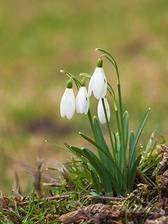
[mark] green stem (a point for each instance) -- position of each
(90, 120)
(122, 122)
(121, 112)
(110, 58)
(77, 82)
(111, 90)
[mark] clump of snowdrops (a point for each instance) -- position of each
(113, 166)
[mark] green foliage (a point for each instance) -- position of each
(113, 168)
(151, 156)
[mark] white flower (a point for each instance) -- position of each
(98, 82)
(100, 111)
(67, 105)
(82, 101)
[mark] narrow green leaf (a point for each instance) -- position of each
(114, 172)
(133, 155)
(100, 168)
(84, 154)
(131, 145)
(118, 147)
(99, 139)
(96, 180)
(79, 152)
(132, 173)
(107, 153)
(140, 128)
(111, 164)
(126, 127)
(150, 144)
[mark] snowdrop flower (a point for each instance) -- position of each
(67, 105)
(82, 101)
(98, 82)
(100, 111)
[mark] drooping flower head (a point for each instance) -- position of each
(100, 111)
(98, 81)
(82, 100)
(67, 105)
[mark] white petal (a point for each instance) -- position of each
(90, 89)
(62, 107)
(82, 101)
(99, 83)
(67, 106)
(100, 111)
(105, 87)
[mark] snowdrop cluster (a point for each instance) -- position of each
(115, 163)
(97, 86)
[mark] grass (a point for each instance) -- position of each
(70, 189)
(39, 38)
(63, 197)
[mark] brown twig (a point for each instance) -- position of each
(17, 188)
(107, 198)
(56, 197)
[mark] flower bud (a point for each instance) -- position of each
(82, 101)
(67, 105)
(101, 113)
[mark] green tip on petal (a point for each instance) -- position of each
(69, 84)
(94, 117)
(100, 63)
(83, 82)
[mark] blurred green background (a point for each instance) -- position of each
(38, 38)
